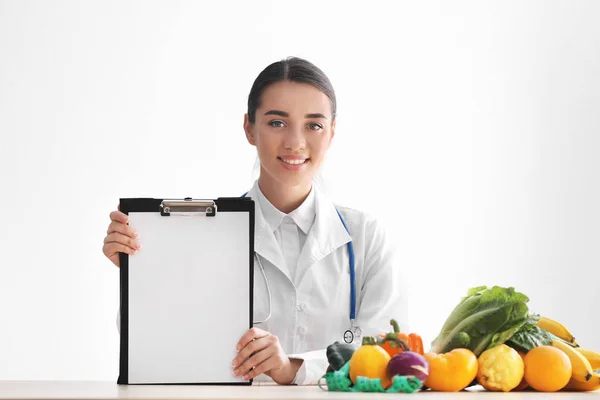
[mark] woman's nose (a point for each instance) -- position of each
(295, 139)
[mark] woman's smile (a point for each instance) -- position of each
(293, 163)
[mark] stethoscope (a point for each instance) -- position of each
(354, 333)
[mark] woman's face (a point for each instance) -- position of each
(292, 131)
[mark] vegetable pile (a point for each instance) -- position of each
(378, 362)
(490, 338)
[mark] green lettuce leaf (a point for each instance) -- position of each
(515, 326)
(489, 316)
(529, 337)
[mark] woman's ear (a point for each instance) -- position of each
(249, 129)
(332, 130)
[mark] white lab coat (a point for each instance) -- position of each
(315, 313)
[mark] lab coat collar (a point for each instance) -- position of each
(265, 244)
(272, 215)
(327, 233)
(303, 216)
(325, 236)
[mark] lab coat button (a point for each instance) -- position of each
(302, 330)
(302, 307)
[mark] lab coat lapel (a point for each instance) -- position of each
(326, 235)
(265, 243)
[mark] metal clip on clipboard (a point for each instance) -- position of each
(188, 205)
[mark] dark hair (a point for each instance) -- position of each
(290, 69)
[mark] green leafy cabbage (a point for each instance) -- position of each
(529, 337)
(489, 317)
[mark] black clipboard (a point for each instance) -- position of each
(229, 223)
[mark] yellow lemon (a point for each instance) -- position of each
(523, 385)
(501, 368)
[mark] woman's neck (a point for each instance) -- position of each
(285, 198)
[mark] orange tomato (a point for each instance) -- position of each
(452, 371)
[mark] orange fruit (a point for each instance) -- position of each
(521, 386)
(547, 368)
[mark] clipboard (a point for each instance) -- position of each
(187, 295)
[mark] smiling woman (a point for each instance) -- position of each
(308, 248)
(291, 121)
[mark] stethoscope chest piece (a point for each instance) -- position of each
(352, 334)
(348, 336)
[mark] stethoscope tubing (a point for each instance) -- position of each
(352, 277)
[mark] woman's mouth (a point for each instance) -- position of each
(294, 161)
(294, 164)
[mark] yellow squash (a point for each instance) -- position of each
(370, 361)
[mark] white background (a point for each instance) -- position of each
(470, 128)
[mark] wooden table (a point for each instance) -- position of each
(110, 390)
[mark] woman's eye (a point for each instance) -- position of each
(315, 127)
(276, 124)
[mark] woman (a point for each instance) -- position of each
(300, 239)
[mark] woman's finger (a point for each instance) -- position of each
(248, 344)
(253, 347)
(113, 248)
(123, 229)
(250, 335)
(257, 358)
(118, 216)
(261, 368)
(123, 239)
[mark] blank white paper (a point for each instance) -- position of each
(189, 297)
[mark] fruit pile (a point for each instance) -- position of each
(515, 349)
(560, 365)
(490, 339)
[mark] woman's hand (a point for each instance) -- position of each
(260, 352)
(120, 237)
